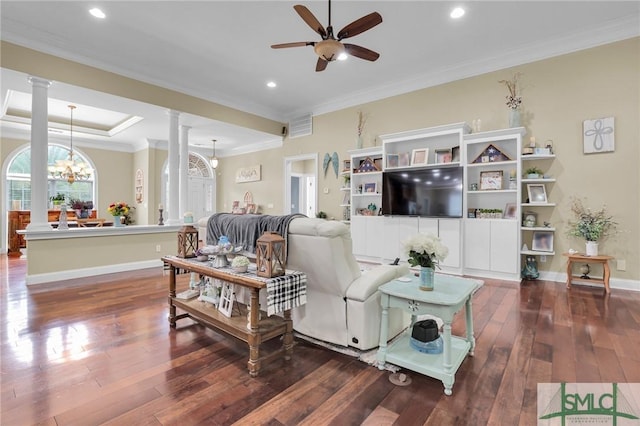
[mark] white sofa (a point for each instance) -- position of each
(343, 304)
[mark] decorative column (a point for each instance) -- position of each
(184, 169)
(39, 153)
(174, 163)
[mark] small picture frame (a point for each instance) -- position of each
(392, 161)
(346, 165)
(227, 297)
(420, 157)
(471, 213)
(537, 193)
(542, 241)
(251, 209)
(491, 180)
(443, 156)
(403, 159)
(510, 211)
(369, 188)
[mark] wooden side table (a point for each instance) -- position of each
(581, 258)
(449, 296)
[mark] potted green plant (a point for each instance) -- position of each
(533, 173)
(57, 200)
(590, 225)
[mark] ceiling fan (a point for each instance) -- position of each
(330, 48)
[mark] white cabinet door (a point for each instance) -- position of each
(374, 236)
(396, 230)
(449, 233)
(359, 235)
(504, 246)
(477, 246)
(428, 226)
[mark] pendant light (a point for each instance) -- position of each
(214, 160)
(70, 170)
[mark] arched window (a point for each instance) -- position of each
(202, 185)
(19, 179)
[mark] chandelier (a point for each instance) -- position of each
(214, 160)
(70, 170)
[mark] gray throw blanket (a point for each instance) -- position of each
(246, 229)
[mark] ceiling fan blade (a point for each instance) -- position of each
(321, 65)
(310, 19)
(296, 44)
(361, 52)
(360, 25)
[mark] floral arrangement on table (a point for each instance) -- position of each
(513, 100)
(240, 263)
(425, 250)
(119, 208)
(588, 224)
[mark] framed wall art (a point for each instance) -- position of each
(249, 174)
(598, 135)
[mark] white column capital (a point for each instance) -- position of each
(185, 128)
(39, 82)
(173, 113)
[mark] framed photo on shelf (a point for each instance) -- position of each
(369, 188)
(491, 180)
(455, 154)
(403, 159)
(542, 241)
(510, 211)
(392, 160)
(537, 193)
(420, 156)
(346, 166)
(443, 156)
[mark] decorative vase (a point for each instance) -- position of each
(592, 248)
(426, 278)
(359, 142)
(117, 221)
(514, 117)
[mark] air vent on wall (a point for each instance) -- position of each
(301, 126)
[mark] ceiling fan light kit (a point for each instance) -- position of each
(330, 48)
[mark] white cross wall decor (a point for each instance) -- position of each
(598, 135)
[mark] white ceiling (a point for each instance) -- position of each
(220, 51)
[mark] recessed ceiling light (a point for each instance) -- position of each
(271, 84)
(456, 13)
(97, 13)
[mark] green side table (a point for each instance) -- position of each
(448, 297)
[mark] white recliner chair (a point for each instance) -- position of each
(343, 303)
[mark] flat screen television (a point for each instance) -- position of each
(433, 192)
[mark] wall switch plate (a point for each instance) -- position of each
(325, 190)
(543, 259)
(621, 265)
(158, 248)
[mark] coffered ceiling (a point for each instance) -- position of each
(220, 51)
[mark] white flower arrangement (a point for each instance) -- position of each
(425, 250)
(239, 262)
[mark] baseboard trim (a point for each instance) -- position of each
(614, 283)
(90, 272)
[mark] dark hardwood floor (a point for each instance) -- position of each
(89, 352)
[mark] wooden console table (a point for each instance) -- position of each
(254, 333)
(581, 258)
(448, 297)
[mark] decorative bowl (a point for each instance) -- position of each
(240, 269)
(202, 257)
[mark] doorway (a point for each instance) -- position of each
(301, 174)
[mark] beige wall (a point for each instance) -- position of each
(559, 93)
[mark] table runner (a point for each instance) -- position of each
(286, 292)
